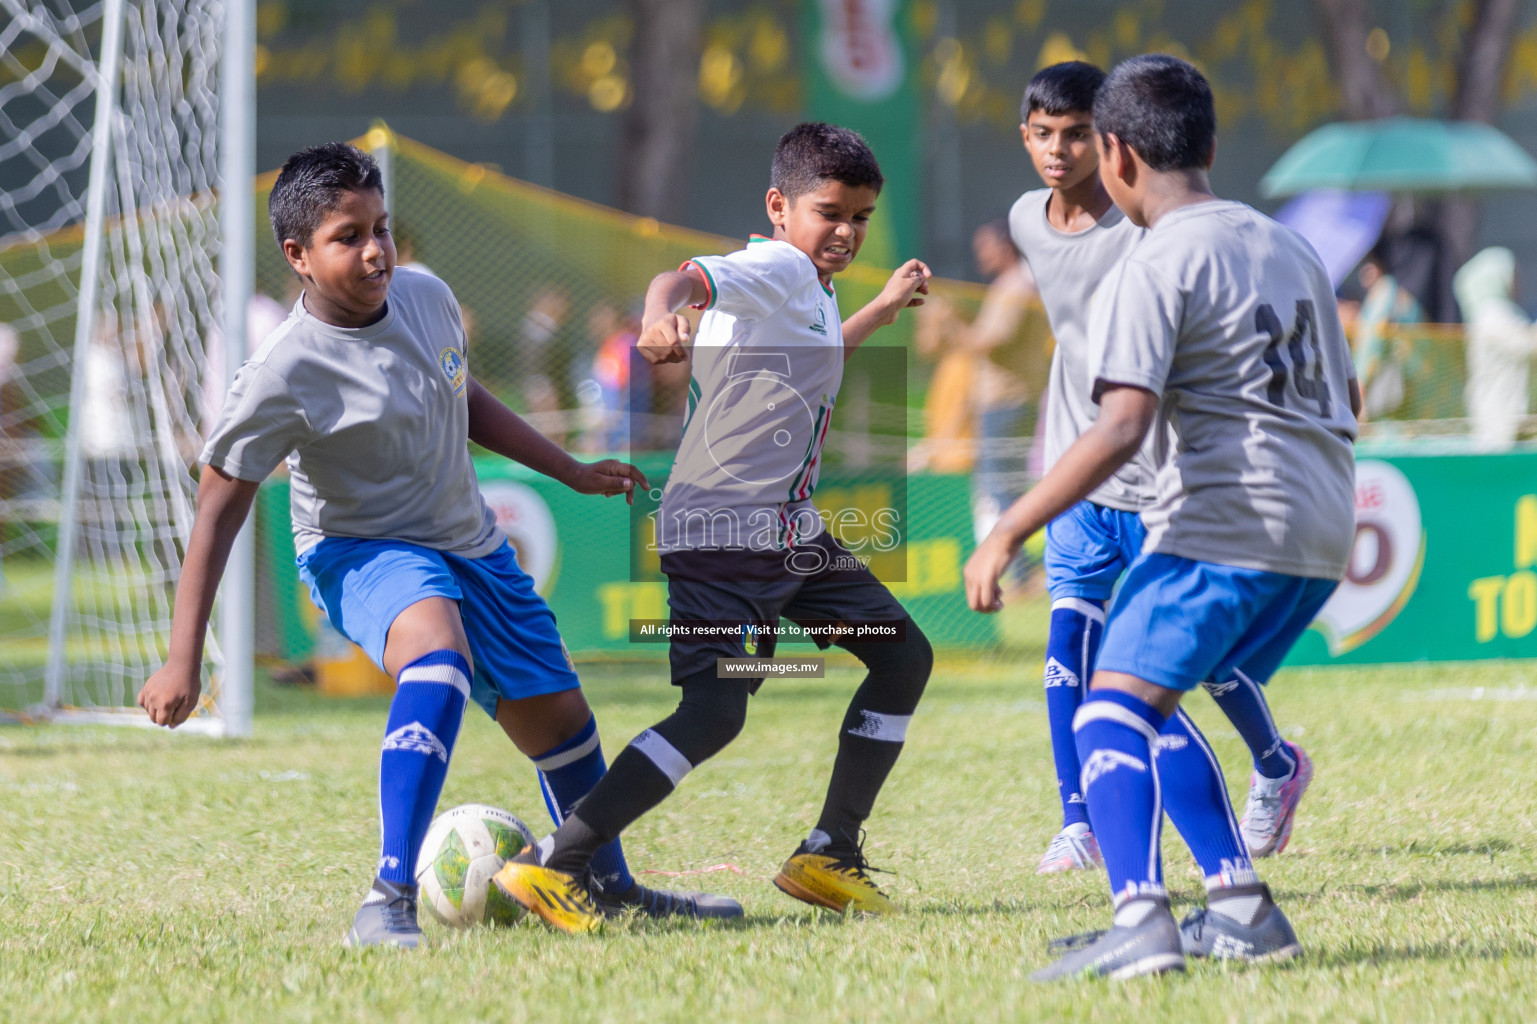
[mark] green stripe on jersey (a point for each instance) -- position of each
(710, 280)
(800, 474)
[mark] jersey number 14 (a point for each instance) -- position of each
(1302, 346)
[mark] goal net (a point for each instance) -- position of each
(109, 306)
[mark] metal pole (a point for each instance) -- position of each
(85, 326)
(237, 272)
(381, 146)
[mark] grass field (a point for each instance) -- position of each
(153, 877)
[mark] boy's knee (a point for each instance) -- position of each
(901, 668)
(912, 659)
(710, 715)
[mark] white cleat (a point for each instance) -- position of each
(1272, 806)
(1072, 849)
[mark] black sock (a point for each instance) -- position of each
(708, 717)
(575, 843)
(872, 735)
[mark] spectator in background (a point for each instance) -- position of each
(541, 357)
(1007, 366)
(1500, 347)
(1382, 360)
(609, 392)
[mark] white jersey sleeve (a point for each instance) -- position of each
(752, 283)
(262, 421)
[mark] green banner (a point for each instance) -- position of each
(860, 70)
(1443, 565)
(584, 554)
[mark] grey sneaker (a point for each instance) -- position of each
(662, 903)
(1208, 933)
(1151, 947)
(386, 918)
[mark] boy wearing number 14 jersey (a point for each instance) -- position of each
(1073, 236)
(1219, 331)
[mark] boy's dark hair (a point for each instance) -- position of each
(812, 153)
(1062, 89)
(311, 184)
(1161, 107)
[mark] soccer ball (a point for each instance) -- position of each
(463, 849)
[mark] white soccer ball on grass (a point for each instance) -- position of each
(464, 848)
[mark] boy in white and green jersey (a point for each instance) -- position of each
(741, 542)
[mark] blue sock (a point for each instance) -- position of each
(566, 774)
(418, 741)
(1242, 700)
(1115, 733)
(1071, 647)
(1195, 797)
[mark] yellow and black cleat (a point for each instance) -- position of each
(837, 883)
(557, 898)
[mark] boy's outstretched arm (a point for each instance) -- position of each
(908, 282)
(1124, 416)
(663, 332)
(223, 501)
(497, 428)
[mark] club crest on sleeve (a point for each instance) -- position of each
(819, 325)
(416, 738)
(452, 363)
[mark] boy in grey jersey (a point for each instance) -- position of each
(365, 391)
(1074, 235)
(1220, 326)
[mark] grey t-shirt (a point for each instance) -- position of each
(1067, 268)
(374, 424)
(1230, 318)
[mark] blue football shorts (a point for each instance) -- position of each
(362, 585)
(1088, 547)
(1178, 623)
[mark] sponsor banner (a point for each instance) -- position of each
(1444, 566)
(601, 576)
(863, 74)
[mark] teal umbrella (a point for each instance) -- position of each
(1402, 154)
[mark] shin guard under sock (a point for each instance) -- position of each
(418, 741)
(1196, 800)
(873, 732)
(1077, 624)
(1115, 733)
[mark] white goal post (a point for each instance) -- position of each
(124, 285)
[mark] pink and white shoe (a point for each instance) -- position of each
(1072, 849)
(1272, 806)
